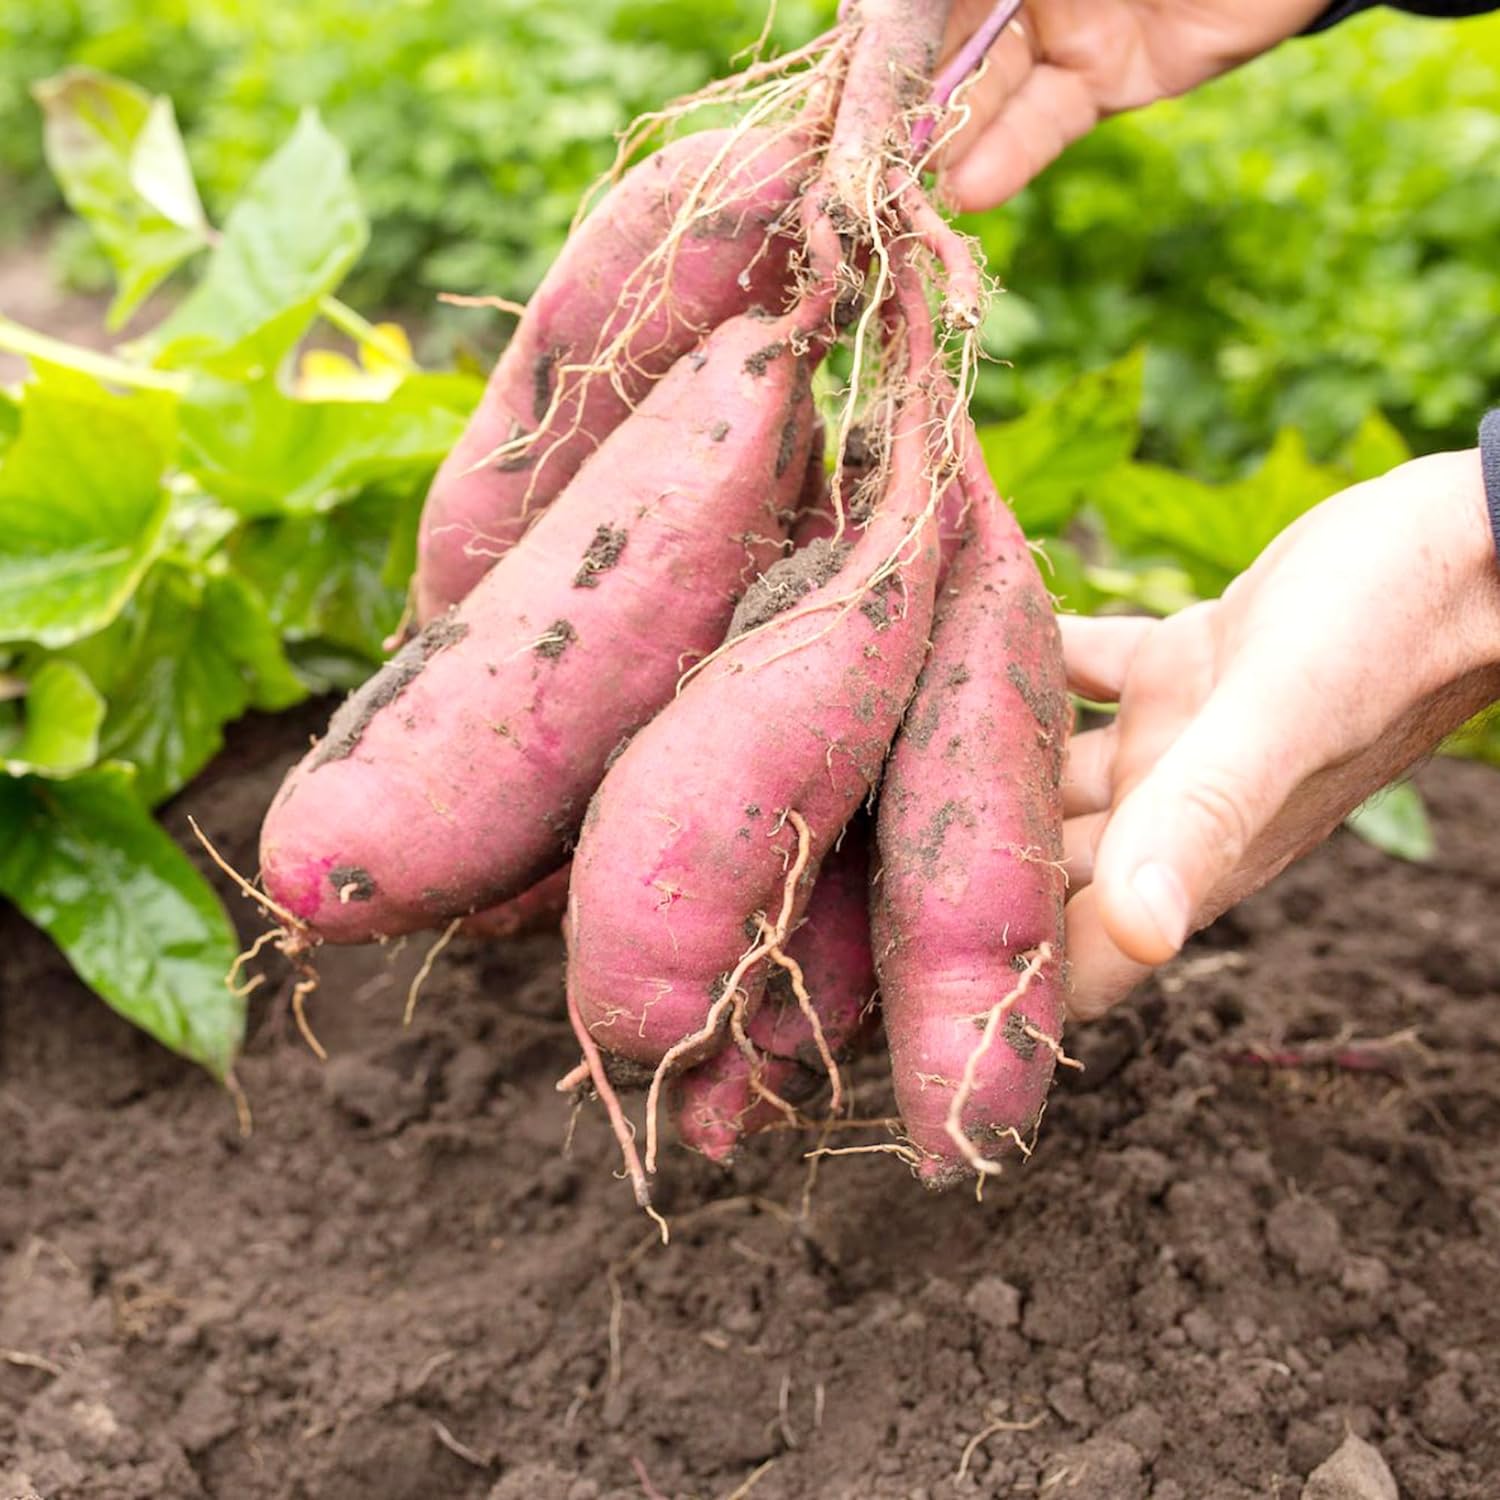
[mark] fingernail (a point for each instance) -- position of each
(1160, 891)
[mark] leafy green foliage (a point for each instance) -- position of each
(1304, 241)
(82, 507)
(1048, 460)
(1298, 244)
(55, 731)
(187, 532)
(118, 158)
(84, 860)
(1395, 821)
(289, 241)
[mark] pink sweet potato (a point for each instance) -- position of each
(456, 777)
(968, 895)
(718, 1104)
(538, 907)
(688, 843)
(729, 261)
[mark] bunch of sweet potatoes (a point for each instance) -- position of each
(784, 685)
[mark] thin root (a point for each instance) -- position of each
(810, 1014)
(721, 1007)
(954, 1125)
(624, 1133)
(985, 1433)
(420, 978)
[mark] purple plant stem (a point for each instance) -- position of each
(960, 66)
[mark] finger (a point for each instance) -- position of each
(1088, 776)
(1080, 842)
(1051, 109)
(1099, 975)
(1006, 66)
(1097, 652)
(1187, 824)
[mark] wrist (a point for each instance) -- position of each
(1450, 487)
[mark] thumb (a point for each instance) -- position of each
(1189, 821)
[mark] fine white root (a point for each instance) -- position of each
(981, 1164)
(721, 1008)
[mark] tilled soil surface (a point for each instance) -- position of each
(403, 1284)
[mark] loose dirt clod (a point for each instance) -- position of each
(787, 581)
(1356, 1471)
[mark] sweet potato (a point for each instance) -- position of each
(537, 907)
(729, 260)
(968, 894)
(687, 847)
(725, 1099)
(455, 778)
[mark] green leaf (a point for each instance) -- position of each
(59, 732)
(10, 420)
(1479, 739)
(1395, 821)
(117, 154)
(338, 579)
(1049, 461)
(189, 655)
(142, 928)
(288, 242)
(1375, 449)
(1214, 532)
(82, 507)
(266, 453)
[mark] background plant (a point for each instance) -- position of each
(1298, 244)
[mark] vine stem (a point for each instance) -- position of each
(364, 333)
(960, 66)
(15, 338)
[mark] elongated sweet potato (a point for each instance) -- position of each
(968, 894)
(537, 907)
(729, 260)
(455, 778)
(718, 1102)
(688, 844)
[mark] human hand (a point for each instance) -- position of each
(1062, 65)
(1251, 725)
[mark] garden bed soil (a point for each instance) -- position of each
(403, 1285)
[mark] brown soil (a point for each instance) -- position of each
(401, 1285)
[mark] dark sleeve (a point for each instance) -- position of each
(1346, 8)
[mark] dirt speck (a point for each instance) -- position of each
(1015, 1036)
(558, 636)
(759, 362)
(352, 883)
(719, 431)
(602, 554)
(541, 382)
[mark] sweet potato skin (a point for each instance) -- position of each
(456, 777)
(688, 840)
(730, 263)
(969, 888)
(536, 909)
(716, 1106)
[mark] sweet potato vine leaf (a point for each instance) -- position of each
(119, 159)
(288, 242)
(82, 506)
(141, 927)
(52, 727)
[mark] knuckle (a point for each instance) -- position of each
(1221, 802)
